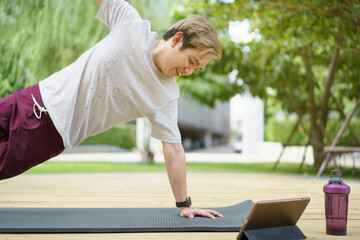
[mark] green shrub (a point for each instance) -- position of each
(347, 138)
(123, 136)
(279, 131)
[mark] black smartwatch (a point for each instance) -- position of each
(186, 203)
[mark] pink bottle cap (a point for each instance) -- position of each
(336, 184)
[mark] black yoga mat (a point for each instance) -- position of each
(116, 220)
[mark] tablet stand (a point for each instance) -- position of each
(271, 233)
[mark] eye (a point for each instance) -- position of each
(191, 62)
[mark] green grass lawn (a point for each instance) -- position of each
(92, 167)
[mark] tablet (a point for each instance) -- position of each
(274, 213)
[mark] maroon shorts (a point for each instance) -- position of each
(25, 140)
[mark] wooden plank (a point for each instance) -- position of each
(337, 138)
(153, 190)
(332, 149)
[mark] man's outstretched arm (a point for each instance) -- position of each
(176, 169)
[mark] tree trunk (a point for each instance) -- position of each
(316, 141)
(316, 132)
(147, 157)
(319, 111)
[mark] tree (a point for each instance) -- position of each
(41, 37)
(308, 57)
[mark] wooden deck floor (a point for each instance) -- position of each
(153, 190)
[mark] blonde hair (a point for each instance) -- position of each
(198, 33)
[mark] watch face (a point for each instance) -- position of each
(189, 199)
(186, 203)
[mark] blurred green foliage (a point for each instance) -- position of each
(291, 58)
(306, 57)
(40, 37)
(122, 136)
(278, 131)
(347, 138)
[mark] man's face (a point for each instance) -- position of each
(181, 62)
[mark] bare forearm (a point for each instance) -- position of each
(176, 169)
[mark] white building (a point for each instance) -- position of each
(200, 126)
(247, 119)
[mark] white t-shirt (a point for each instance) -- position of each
(113, 82)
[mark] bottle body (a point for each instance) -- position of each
(336, 211)
(336, 204)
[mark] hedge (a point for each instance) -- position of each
(123, 136)
(279, 131)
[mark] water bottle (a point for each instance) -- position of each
(336, 204)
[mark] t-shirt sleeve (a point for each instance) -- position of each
(164, 123)
(116, 12)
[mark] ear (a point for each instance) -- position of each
(177, 38)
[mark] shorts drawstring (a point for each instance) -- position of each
(40, 108)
